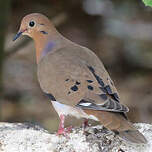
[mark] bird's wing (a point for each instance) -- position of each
(105, 99)
(76, 76)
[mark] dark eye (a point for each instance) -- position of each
(32, 23)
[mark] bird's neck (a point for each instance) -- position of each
(48, 43)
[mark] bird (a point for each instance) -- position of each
(75, 80)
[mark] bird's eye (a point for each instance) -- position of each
(31, 23)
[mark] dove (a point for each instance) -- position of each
(75, 80)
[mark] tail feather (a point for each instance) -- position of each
(133, 136)
(119, 124)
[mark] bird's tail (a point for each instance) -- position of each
(119, 124)
(133, 136)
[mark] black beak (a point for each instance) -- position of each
(17, 36)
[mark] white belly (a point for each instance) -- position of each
(72, 111)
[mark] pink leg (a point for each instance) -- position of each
(85, 123)
(62, 130)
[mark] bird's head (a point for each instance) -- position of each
(34, 25)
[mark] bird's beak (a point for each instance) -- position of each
(18, 34)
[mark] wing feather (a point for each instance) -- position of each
(79, 79)
(109, 105)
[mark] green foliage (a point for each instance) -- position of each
(147, 2)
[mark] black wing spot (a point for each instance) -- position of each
(69, 92)
(74, 88)
(67, 80)
(108, 89)
(90, 87)
(103, 89)
(51, 96)
(77, 83)
(96, 76)
(103, 96)
(91, 69)
(89, 81)
(99, 80)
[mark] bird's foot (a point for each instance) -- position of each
(64, 131)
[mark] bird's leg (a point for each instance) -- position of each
(62, 130)
(85, 123)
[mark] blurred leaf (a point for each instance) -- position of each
(148, 2)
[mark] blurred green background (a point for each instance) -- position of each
(119, 32)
